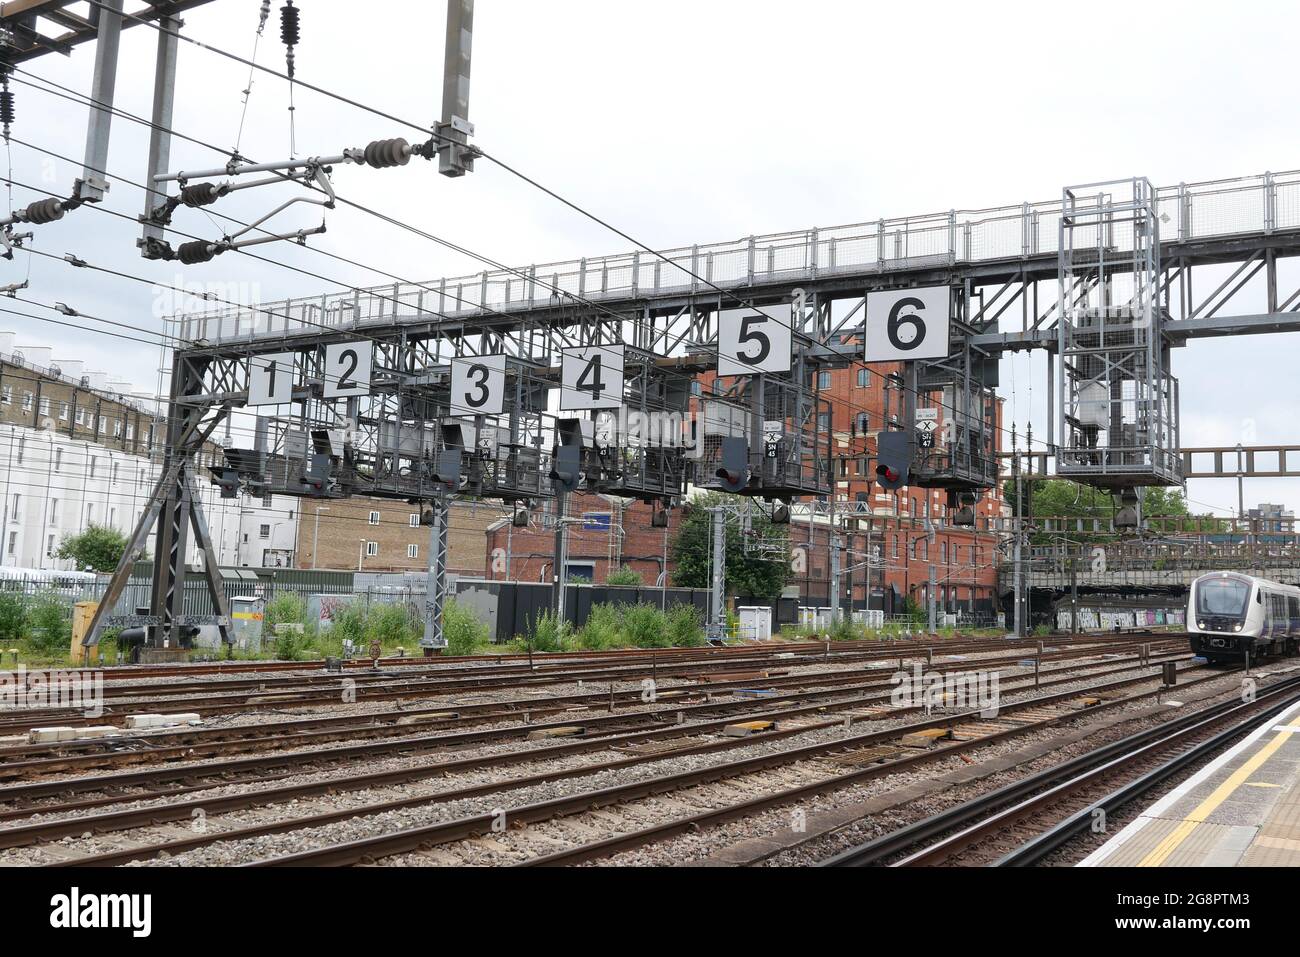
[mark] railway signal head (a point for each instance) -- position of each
(227, 480)
(566, 467)
(316, 475)
(893, 459)
(733, 471)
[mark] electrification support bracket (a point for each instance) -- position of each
(93, 186)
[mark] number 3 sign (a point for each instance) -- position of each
(478, 385)
(907, 324)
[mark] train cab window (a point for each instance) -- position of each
(1223, 596)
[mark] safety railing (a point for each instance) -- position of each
(1188, 211)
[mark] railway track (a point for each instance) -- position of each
(1020, 718)
(102, 819)
(196, 743)
(242, 695)
(1025, 821)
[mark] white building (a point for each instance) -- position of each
(55, 484)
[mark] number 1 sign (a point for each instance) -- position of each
(907, 324)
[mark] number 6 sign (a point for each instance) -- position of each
(907, 324)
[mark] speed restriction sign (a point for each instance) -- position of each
(907, 324)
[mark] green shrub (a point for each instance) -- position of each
(623, 576)
(348, 622)
(290, 646)
(49, 626)
(646, 626)
(286, 608)
(464, 632)
(390, 625)
(549, 633)
(13, 618)
(685, 630)
(602, 629)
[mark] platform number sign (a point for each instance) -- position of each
(754, 340)
(347, 368)
(907, 324)
(478, 385)
(591, 377)
(270, 379)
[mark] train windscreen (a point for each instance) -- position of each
(1222, 597)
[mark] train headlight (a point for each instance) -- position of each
(1201, 625)
(1236, 627)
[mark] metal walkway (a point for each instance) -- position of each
(1247, 209)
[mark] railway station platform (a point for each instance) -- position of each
(1240, 810)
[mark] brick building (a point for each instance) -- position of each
(888, 527)
(385, 535)
(613, 532)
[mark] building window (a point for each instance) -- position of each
(844, 468)
(16, 511)
(64, 409)
(81, 417)
(862, 423)
(130, 430)
(864, 378)
(112, 518)
(264, 531)
(412, 551)
(415, 519)
(93, 462)
(113, 473)
(90, 513)
(7, 395)
(54, 511)
(27, 401)
(823, 380)
(22, 447)
(103, 425)
(823, 421)
(49, 547)
(372, 549)
(266, 500)
(374, 518)
(58, 459)
(45, 406)
(13, 542)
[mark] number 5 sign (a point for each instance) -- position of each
(907, 324)
(754, 340)
(478, 385)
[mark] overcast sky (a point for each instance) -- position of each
(692, 122)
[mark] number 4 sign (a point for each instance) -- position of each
(907, 324)
(591, 377)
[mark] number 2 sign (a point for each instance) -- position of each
(347, 368)
(907, 324)
(591, 377)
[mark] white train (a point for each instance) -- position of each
(1231, 615)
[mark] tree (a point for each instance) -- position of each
(692, 549)
(623, 576)
(1061, 498)
(99, 548)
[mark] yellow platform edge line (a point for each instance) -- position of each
(1161, 852)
